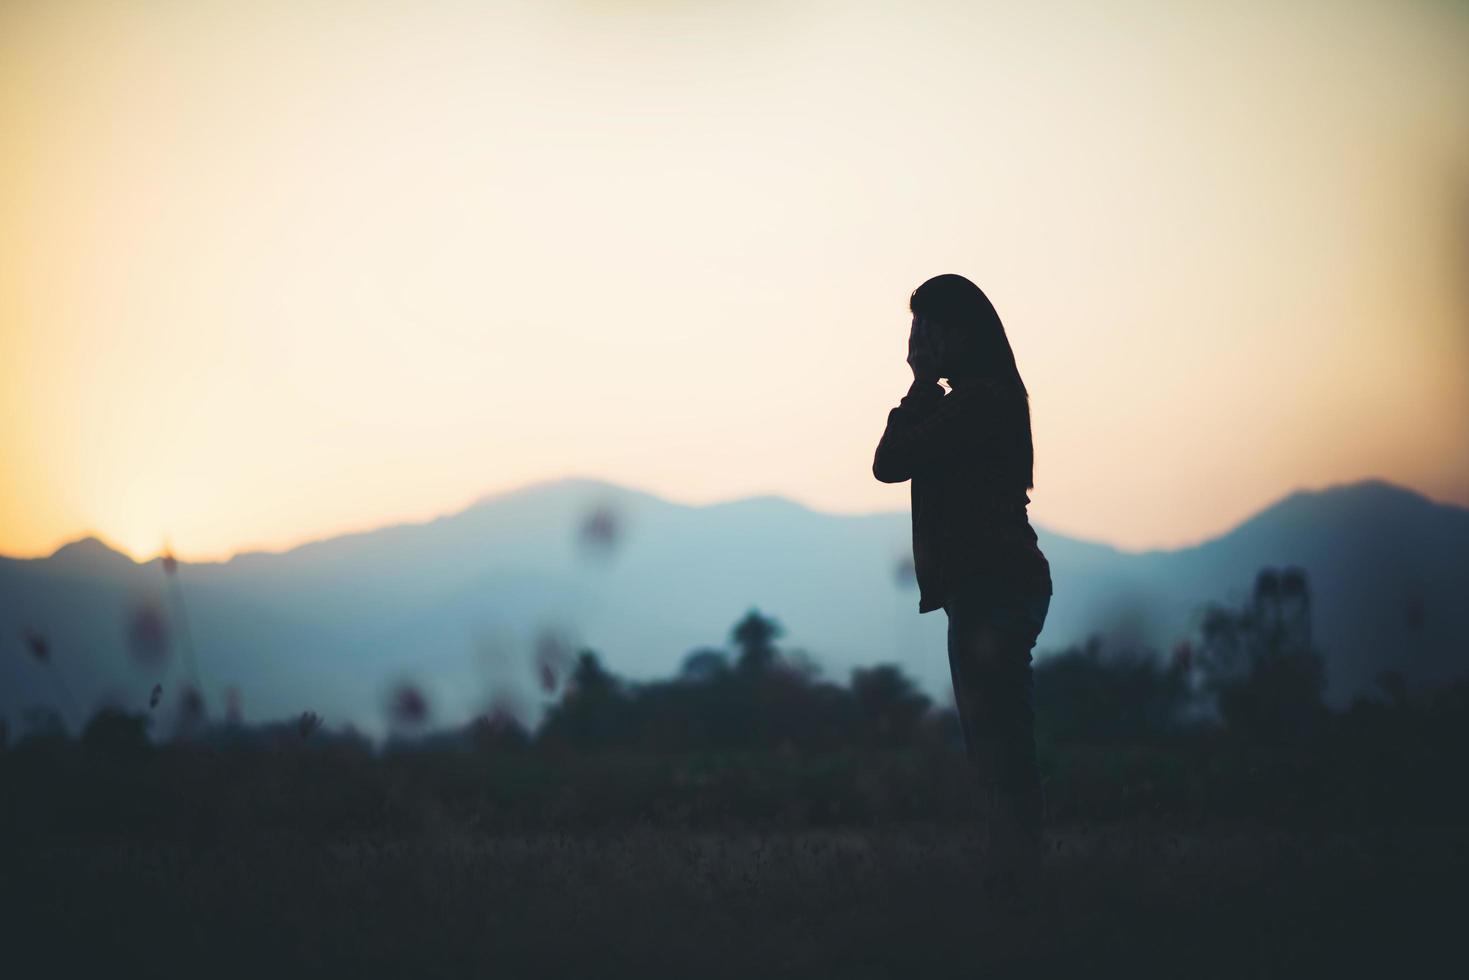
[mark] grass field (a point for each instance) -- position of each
(1130, 899)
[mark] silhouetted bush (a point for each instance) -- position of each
(889, 708)
(1088, 695)
(1121, 734)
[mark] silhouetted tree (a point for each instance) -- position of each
(594, 709)
(754, 637)
(889, 708)
(1258, 661)
(1084, 694)
(497, 731)
(703, 665)
(589, 679)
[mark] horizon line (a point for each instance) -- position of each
(544, 482)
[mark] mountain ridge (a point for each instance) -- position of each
(327, 624)
(90, 539)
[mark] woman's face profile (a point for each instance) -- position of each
(942, 339)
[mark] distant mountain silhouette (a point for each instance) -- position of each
(456, 603)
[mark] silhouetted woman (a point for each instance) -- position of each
(969, 456)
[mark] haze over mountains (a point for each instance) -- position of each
(456, 604)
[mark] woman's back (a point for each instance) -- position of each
(969, 505)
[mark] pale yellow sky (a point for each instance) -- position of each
(272, 271)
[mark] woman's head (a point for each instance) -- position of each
(974, 341)
(974, 345)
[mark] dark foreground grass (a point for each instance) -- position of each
(1130, 899)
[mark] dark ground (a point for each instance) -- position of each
(754, 827)
(1134, 898)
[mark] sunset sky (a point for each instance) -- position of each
(273, 271)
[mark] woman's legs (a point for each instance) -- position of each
(989, 641)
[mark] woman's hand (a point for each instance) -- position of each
(924, 350)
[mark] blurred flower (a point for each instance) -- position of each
(553, 657)
(600, 531)
(904, 573)
(505, 710)
(37, 644)
(191, 708)
(148, 634)
(40, 648)
(408, 706)
(499, 727)
(503, 723)
(234, 709)
(1267, 584)
(307, 724)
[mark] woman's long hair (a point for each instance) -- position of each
(984, 351)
